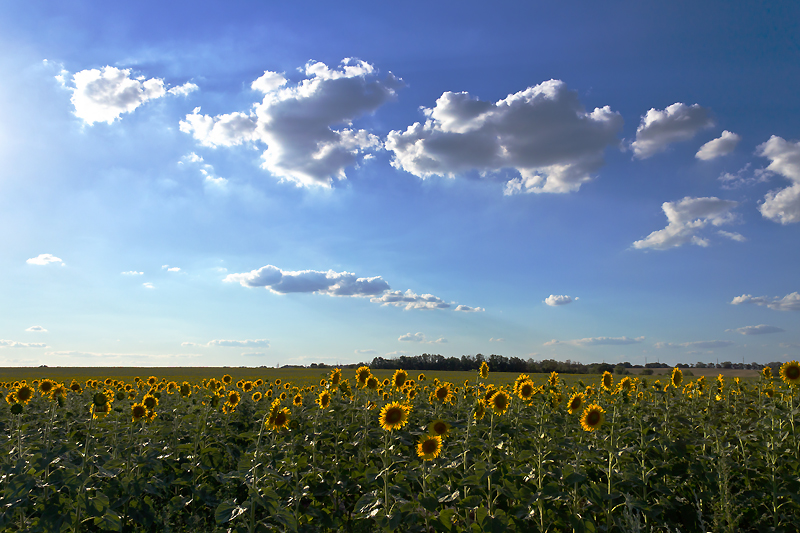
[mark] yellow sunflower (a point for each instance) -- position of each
(324, 399)
(421, 377)
(152, 380)
(484, 370)
(677, 377)
(592, 417)
(480, 411)
(399, 378)
(790, 373)
(393, 416)
(443, 393)
(499, 402)
(608, 381)
(138, 411)
(24, 393)
(552, 380)
(278, 419)
(575, 402)
(257, 396)
(46, 386)
(766, 372)
(149, 401)
(439, 428)
(336, 376)
(297, 400)
(526, 390)
(363, 373)
(429, 447)
(227, 378)
(233, 398)
(186, 389)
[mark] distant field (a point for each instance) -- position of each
(307, 375)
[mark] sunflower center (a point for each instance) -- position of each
(793, 372)
(429, 446)
(393, 416)
(440, 428)
(593, 419)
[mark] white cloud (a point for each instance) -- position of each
(15, 344)
(148, 285)
(412, 337)
(44, 259)
(543, 133)
(723, 145)
(103, 95)
(170, 269)
(467, 309)
(411, 300)
(230, 343)
(254, 354)
(365, 352)
(658, 129)
(559, 299)
(339, 284)
(499, 339)
(686, 218)
(206, 170)
(111, 356)
(132, 273)
(742, 178)
(757, 330)
(37, 328)
(782, 205)
(596, 341)
(790, 302)
(299, 123)
(702, 345)
(732, 235)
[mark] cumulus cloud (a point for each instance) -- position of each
(722, 145)
(15, 344)
(761, 329)
(790, 302)
(543, 133)
(44, 259)
(132, 273)
(339, 284)
(105, 94)
(170, 269)
(148, 285)
(743, 177)
(467, 309)
(686, 219)
(732, 235)
(37, 328)
(307, 127)
(596, 341)
(555, 300)
(660, 128)
(782, 205)
(702, 345)
(420, 337)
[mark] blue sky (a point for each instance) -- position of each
(251, 184)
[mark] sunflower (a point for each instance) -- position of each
(575, 402)
(412, 392)
(484, 370)
(552, 380)
(46, 387)
(149, 401)
(443, 393)
(626, 385)
(336, 376)
(766, 372)
(259, 382)
(233, 399)
(421, 377)
(499, 402)
(393, 416)
(297, 400)
(99, 411)
(226, 379)
(429, 447)
(526, 390)
(247, 386)
(608, 381)
(324, 399)
(592, 417)
(269, 393)
(439, 428)
(24, 393)
(186, 389)
(257, 396)
(282, 396)
(138, 411)
(152, 380)
(278, 419)
(790, 373)
(488, 393)
(677, 377)
(75, 387)
(399, 378)
(363, 373)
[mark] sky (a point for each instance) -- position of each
(263, 184)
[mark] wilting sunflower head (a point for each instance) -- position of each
(607, 381)
(439, 428)
(429, 447)
(484, 370)
(592, 417)
(499, 402)
(393, 416)
(677, 377)
(399, 378)
(790, 373)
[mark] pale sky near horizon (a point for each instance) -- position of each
(246, 184)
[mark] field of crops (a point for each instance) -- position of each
(399, 452)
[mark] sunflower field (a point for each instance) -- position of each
(406, 453)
